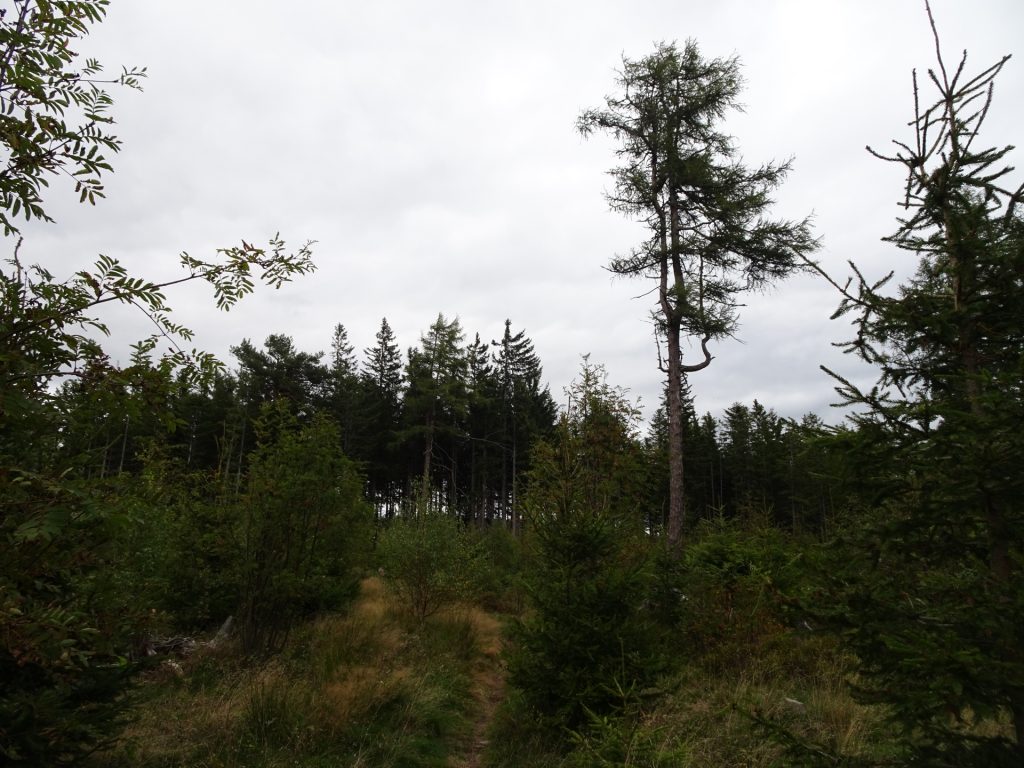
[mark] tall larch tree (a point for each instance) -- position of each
(710, 238)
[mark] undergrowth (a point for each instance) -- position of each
(708, 717)
(742, 672)
(371, 688)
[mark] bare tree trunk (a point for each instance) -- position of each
(428, 454)
(670, 312)
(676, 502)
(670, 285)
(124, 445)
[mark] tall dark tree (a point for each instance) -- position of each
(483, 424)
(382, 385)
(382, 365)
(206, 414)
(527, 410)
(280, 371)
(343, 388)
(754, 460)
(932, 601)
(769, 449)
(709, 236)
(818, 474)
(436, 403)
(737, 458)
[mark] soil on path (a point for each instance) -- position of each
(488, 690)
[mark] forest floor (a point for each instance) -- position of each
(368, 687)
(488, 689)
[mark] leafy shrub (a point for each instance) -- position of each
(430, 561)
(304, 521)
(63, 680)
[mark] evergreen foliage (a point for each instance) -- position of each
(382, 387)
(526, 412)
(930, 598)
(484, 454)
(586, 645)
(169, 493)
(435, 406)
(343, 391)
(710, 239)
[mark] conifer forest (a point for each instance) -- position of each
(376, 554)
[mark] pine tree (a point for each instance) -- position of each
(280, 371)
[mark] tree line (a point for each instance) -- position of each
(452, 426)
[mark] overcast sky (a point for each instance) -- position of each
(430, 150)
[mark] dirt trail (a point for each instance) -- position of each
(488, 690)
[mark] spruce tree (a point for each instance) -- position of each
(382, 387)
(586, 648)
(483, 424)
(527, 411)
(933, 598)
(343, 389)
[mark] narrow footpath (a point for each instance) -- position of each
(488, 691)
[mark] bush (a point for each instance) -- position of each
(430, 561)
(304, 523)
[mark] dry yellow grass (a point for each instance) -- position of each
(373, 599)
(367, 686)
(356, 694)
(486, 627)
